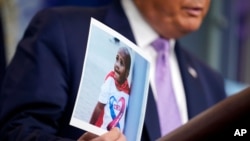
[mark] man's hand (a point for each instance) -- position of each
(113, 135)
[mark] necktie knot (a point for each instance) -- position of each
(160, 45)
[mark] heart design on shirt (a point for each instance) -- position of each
(116, 105)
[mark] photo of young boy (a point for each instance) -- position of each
(113, 86)
(113, 99)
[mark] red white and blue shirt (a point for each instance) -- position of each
(115, 96)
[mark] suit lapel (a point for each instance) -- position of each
(151, 118)
(117, 20)
(195, 94)
(193, 89)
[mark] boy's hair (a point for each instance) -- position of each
(127, 57)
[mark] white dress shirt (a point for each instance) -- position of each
(144, 36)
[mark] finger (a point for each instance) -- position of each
(122, 138)
(113, 135)
(87, 136)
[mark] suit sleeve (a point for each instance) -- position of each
(34, 92)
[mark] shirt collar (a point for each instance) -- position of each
(143, 32)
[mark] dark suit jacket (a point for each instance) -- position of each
(42, 80)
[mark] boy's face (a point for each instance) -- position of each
(121, 72)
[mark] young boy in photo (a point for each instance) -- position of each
(113, 99)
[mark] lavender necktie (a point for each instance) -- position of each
(166, 102)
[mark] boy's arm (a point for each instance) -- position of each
(97, 111)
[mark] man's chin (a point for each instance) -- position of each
(193, 25)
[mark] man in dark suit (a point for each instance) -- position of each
(41, 83)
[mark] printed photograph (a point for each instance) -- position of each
(114, 84)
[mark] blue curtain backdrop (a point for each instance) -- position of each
(235, 43)
(25, 13)
(2, 52)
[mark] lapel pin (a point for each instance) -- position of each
(192, 72)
